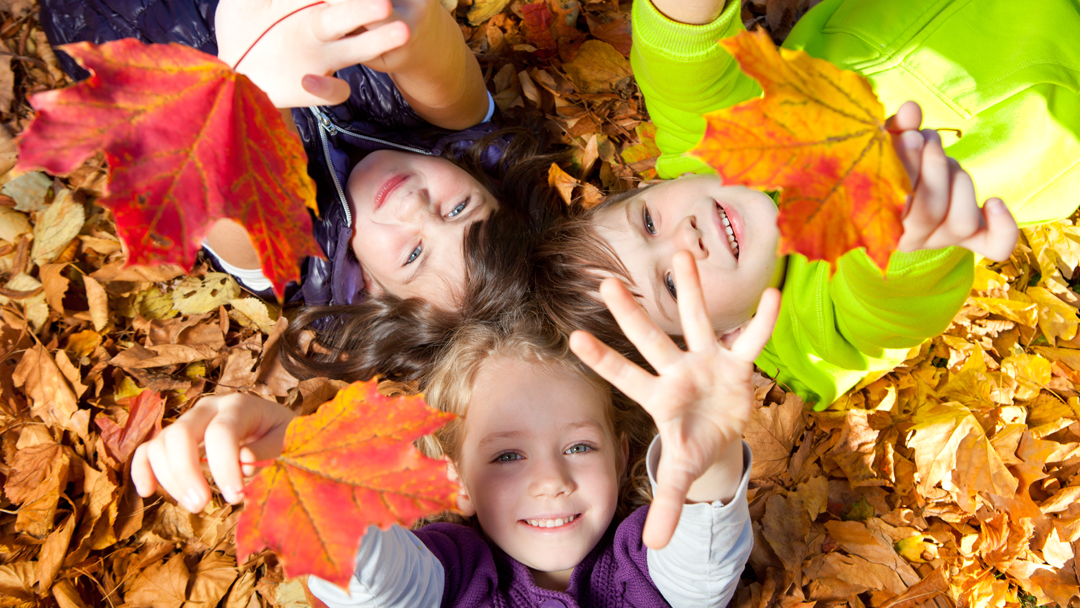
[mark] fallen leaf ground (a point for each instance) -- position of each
(951, 480)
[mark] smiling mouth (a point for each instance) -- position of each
(732, 241)
(551, 523)
(388, 188)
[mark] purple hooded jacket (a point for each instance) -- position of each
(615, 574)
(375, 117)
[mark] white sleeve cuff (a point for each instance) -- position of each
(252, 278)
(491, 108)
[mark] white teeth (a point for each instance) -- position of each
(550, 523)
(730, 232)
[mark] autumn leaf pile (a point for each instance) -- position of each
(949, 481)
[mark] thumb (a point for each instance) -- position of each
(672, 485)
(330, 90)
(999, 239)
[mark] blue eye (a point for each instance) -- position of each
(456, 211)
(650, 227)
(415, 254)
(580, 448)
(670, 284)
(508, 457)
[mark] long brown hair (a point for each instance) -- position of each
(399, 338)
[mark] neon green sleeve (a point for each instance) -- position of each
(683, 74)
(831, 334)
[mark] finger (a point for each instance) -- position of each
(650, 340)
(930, 204)
(999, 239)
(141, 473)
(635, 382)
(331, 91)
(343, 17)
(222, 444)
(187, 483)
(909, 146)
(965, 218)
(908, 116)
(696, 325)
(368, 45)
(667, 504)
(753, 339)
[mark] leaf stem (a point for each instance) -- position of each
(958, 132)
(306, 6)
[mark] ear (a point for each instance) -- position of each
(465, 505)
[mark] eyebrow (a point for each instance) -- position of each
(634, 229)
(573, 426)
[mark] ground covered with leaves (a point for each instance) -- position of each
(951, 480)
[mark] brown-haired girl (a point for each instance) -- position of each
(545, 457)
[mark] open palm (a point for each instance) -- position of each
(702, 398)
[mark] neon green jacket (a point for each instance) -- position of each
(993, 68)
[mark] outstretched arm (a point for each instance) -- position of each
(701, 401)
(416, 41)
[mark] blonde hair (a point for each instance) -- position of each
(526, 336)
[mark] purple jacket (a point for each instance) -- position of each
(614, 575)
(375, 117)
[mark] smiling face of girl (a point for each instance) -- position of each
(730, 230)
(410, 214)
(540, 464)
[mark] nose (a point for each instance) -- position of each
(687, 236)
(411, 207)
(551, 477)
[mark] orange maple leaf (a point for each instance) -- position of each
(350, 465)
(188, 141)
(818, 134)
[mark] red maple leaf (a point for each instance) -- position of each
(818, 134)
(350, 465)
(551, 26)
(188, 141)
(144, 416)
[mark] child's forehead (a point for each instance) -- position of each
(509, 388)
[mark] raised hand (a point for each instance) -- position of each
(943, 210)
(294, 60)
(233, 429)
(701, 401)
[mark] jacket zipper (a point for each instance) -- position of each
(327, 127)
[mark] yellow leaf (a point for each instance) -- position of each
(1018, 308)
(1056, 318)
(1031, 372)
(55, 228)
(562, 182)
(194, 296)
(951, 450)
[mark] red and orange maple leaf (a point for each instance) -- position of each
(819, 134)
(346, 467)
(188, 141)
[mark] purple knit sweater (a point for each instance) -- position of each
(614, 575)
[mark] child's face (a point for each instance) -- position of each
(410, 213)
(540, 464)
(688, 213)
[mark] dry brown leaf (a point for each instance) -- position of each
(28, 190)
(99, 303)
(598, 68)
(60, 223)
(51, 558)
(52, 397)
(162, 585)
(211, 580)
(771, 435)
(194, 296)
